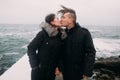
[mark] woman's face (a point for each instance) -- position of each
(56, 22)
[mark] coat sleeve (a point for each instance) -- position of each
(89, 55)
(32, 48)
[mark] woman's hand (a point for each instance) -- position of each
(85, 77)
(57, 71)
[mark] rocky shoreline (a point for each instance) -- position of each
(107, 69)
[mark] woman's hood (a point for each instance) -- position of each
(51, 31)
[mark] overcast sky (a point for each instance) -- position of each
(89, 12)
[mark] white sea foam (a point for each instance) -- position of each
(107, 47)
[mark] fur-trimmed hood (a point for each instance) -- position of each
(52, 31)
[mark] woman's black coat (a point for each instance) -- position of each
(44, 51)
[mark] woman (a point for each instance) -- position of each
(44, 49)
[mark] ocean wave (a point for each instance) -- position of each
(95, 30)
(25, 46)
(20, 34)
(12, 53)
(1, 56)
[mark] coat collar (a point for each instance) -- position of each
(70, 31)
(51, 31)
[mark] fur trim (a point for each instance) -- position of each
(52, 31)
(63, 33)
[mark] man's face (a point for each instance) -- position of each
(66, 20)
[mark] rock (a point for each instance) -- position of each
(112, 64)
(107, 69)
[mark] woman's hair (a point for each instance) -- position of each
(49, 18)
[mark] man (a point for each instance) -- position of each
(79, 56)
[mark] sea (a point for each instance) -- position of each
(14, 39)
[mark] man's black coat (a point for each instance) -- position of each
(79, 54)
